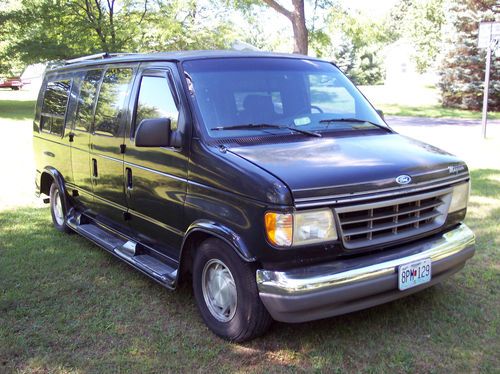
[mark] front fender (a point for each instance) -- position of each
(222, 232)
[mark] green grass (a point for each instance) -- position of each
(16, 110)
(67, 306)
(432, 111)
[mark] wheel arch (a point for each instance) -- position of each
(49, 175)
(204, 229)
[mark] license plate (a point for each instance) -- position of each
(414, 274)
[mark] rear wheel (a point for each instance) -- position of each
(58, 208)
(226, 293)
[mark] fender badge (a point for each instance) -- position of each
(403, 179)
(454, 169)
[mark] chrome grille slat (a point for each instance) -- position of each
(385, 221)
(397, 213)
(386, 226)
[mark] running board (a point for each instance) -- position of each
(148, 264)
(125, 250)
(100, 236)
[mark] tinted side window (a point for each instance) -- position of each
(156, 101)
(110, 102)
(88, 93)
(54, 106)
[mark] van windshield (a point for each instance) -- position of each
(247, 96)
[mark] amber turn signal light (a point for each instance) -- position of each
(279, 228)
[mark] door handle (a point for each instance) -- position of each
(129, 178)
(94, 168)
(71, 136)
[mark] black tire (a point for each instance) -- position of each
(58, 220)
(250, 318)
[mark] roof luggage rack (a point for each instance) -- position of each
(96, 56)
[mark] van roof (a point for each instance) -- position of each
(175, 57)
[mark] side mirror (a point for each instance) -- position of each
(154, 132)
(381, 113)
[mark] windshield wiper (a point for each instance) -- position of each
(356, 120)
(258, 126)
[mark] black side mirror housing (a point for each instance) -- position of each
(153, 132)
(380, 113)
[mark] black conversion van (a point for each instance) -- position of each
(267, 179)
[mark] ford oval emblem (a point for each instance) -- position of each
(403, 179)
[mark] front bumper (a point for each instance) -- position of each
(344, 286)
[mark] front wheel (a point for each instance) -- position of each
(226, 293)
(58, 208)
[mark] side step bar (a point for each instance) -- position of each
(148, 264)
(125, 250)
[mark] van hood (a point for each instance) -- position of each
(334, 166)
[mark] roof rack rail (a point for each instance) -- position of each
(95, 57)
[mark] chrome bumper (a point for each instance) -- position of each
(347, 285)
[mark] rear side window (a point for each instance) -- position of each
(156, 101)
(54, 106)
(88, 93)
(110, 102)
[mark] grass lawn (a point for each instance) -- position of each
(433, 111)
(416, 101)
(16, 105)
(66, 306)
(16, 110)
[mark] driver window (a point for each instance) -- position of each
(156, 101)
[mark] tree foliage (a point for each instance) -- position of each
(463, 64)
(44, 30)
(419, 22)
(354, 42)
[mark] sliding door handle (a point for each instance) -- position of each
(95, 173)
(129, 178)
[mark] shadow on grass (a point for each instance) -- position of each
(67, 304)
(17, 110)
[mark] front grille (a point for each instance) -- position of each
(386, 221)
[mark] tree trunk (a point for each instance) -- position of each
(300, 33)
(111, 14)
(298, 19)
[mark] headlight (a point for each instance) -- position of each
(309, 227)
(459, 197)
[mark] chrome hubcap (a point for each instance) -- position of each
(58, 209)
(219, 290)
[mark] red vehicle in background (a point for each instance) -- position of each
(14, 83)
